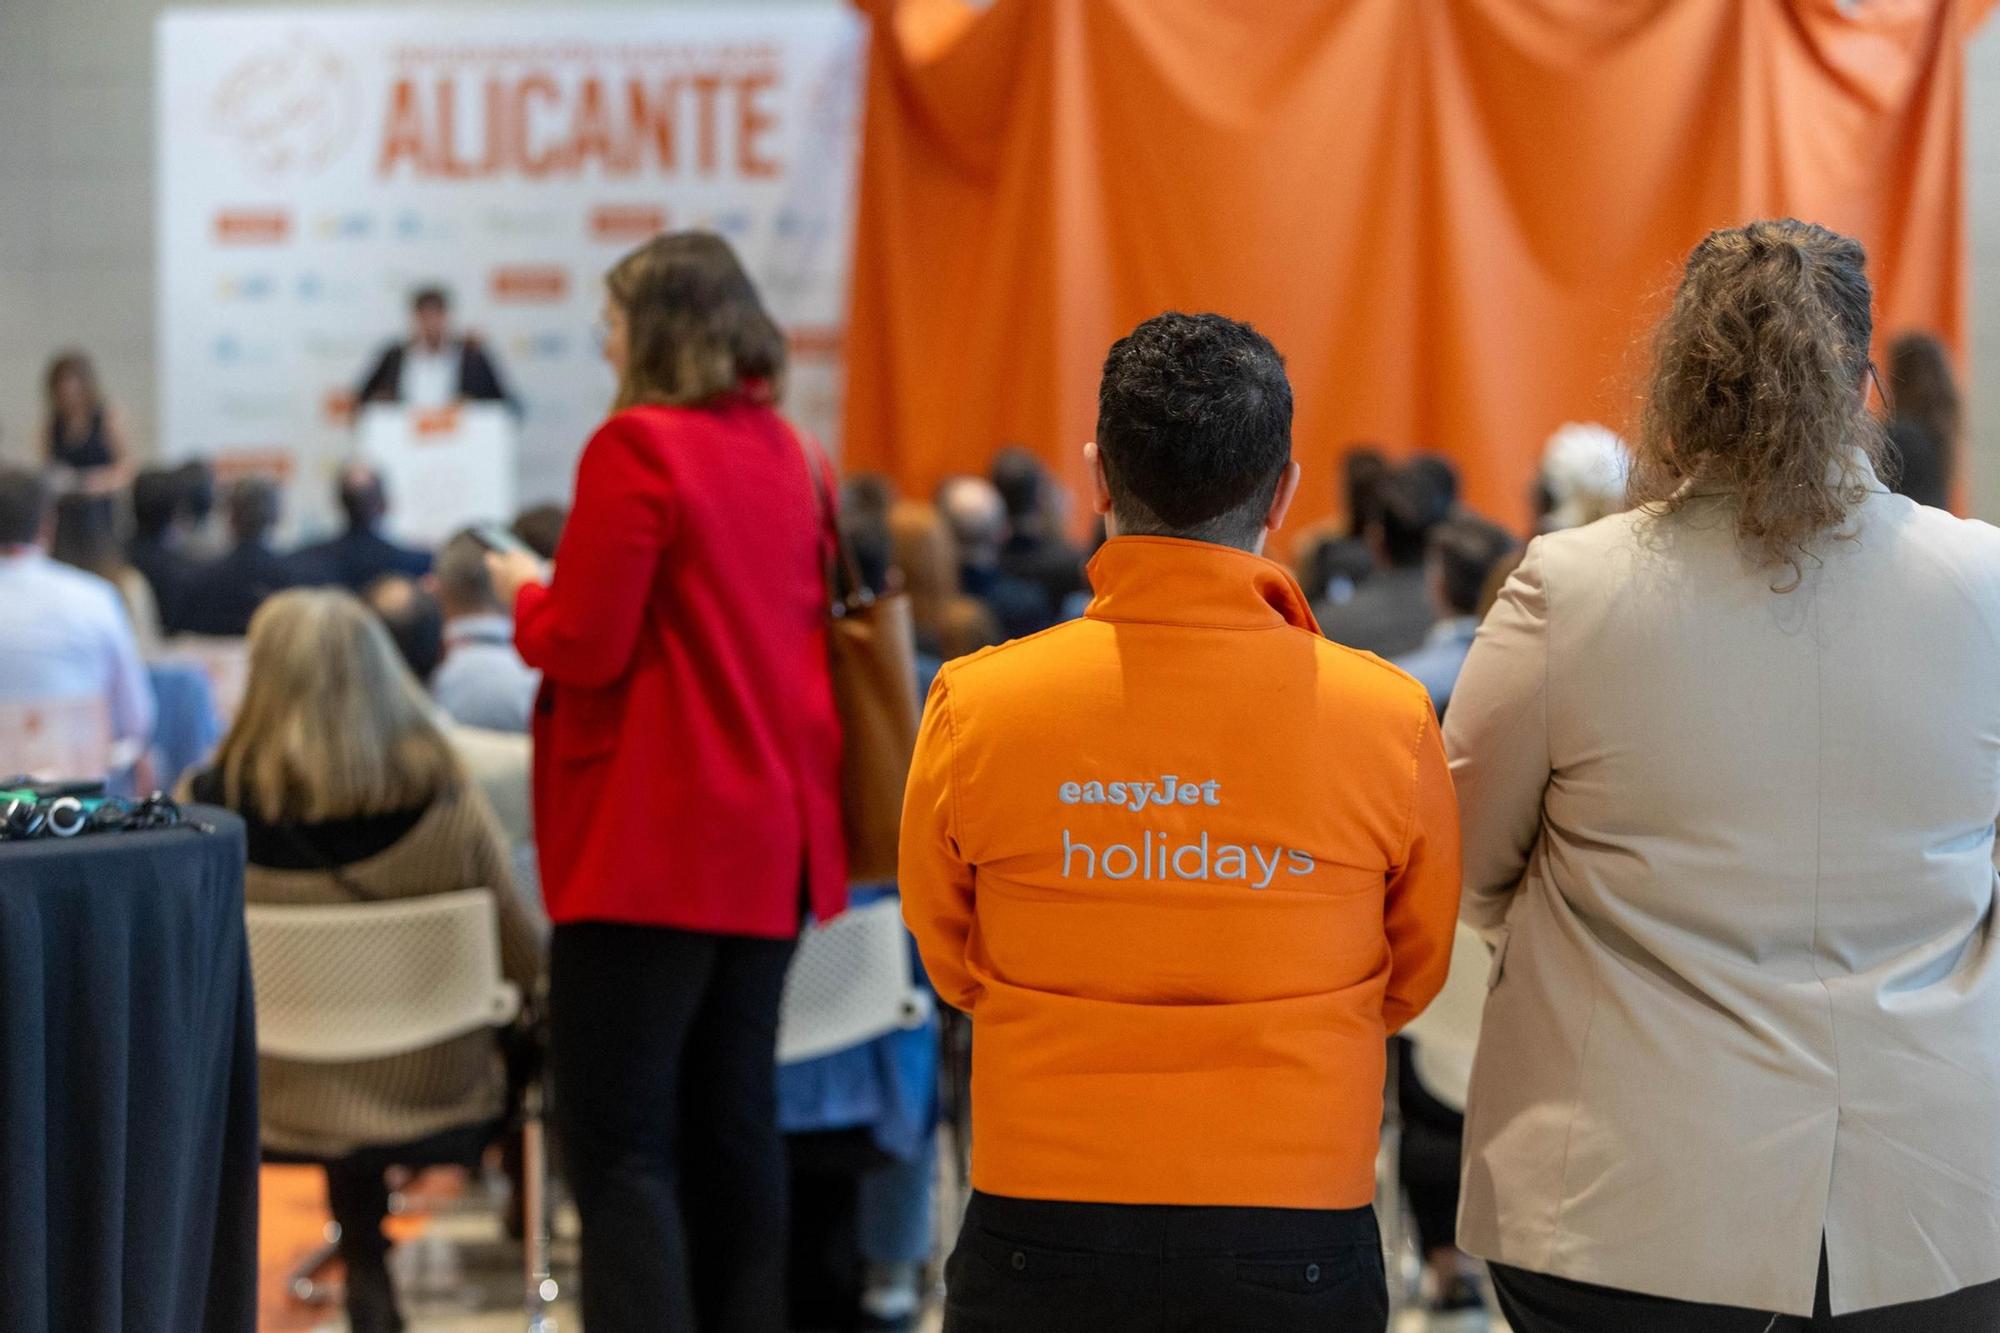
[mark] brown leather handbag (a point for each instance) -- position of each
(872, 650)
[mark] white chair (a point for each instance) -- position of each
(56, 738)
(362, 981)
(851, 981)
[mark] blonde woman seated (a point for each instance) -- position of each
(352, 795)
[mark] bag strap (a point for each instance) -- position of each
(846, 589)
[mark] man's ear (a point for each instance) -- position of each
(1100, 485)
(1281, 499)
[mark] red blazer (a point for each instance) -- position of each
(687, 751)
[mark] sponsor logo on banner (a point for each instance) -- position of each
(232, 349)
(253, 226)
(311, 287)
(627, 222)
(257, 460)
(289, 108)
(525, 222)
(344, 226)
(547, 345)
(247, 287)
(529, 282)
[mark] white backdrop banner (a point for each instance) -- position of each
(317, 166)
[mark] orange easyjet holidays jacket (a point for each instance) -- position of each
(1187, 865)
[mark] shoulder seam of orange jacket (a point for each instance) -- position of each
(1187, 865)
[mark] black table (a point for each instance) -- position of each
(128, 1084)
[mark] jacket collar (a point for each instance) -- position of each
(1168, 581)
(1862, 475)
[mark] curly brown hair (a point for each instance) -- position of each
(696, 331)
(1757, 387)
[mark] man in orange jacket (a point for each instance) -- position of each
(1187, 865)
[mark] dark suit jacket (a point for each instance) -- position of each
(221, 595)
(357, 558)
(167, 570)
(478, 378)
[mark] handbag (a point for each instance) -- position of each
(872, 654)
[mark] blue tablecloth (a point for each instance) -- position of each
(128, 1084)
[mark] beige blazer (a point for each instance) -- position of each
(1735, 848)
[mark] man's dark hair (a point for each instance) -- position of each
(1411, 501)
(1442, 472)
(156, 503)
(1466, 548)
(434, 297)
(462, 578)
(1022, 480)
(253, 509)
(1362, 470)
(541, 528)
(196, 479)
(413, 620)
(1194, 426)
(362, 497)
(25, 501)
(1918, 467)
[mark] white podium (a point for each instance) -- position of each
(445, 468)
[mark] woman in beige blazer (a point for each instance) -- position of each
(1730, 764)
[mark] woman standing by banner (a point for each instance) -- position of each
(687, 794)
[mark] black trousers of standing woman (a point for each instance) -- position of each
(1538, 1303)
(663, 1056)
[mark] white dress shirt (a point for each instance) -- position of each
(65, 634)
(483, 682)
(430, 379)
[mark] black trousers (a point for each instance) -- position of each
(1538, 1303)
(663, 1063)
(1042, 1267)
(1427, 1156)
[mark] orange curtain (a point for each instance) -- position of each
(1455, 218)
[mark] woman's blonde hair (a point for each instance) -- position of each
(332, 723)
(695, 329)
(1757, 387)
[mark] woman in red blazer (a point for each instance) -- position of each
(687, 803)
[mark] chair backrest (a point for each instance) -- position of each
(359, 981)
(59, 738)
(851, 981)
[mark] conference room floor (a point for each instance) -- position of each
(458, 1276)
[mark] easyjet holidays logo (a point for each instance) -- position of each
(1197, 854)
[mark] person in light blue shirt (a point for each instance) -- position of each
(482, 681)
(1463, 552)
(64, 633)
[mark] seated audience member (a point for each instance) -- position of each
(865, 501)
(222, 594)
(1035, 550)
(541, 527)
(351, 794)
(977, 520)
(1584, 471)
(1391, 613)
(158, 546)
(206, 537)
(414, 621)
(1728, 768)
(1464, 552)
(1177, 1077)
(86, 538)
(1923, 394)
(948, 623)
(1916, 463)
(361, 554)
(482, 681)
(498, 761)
(64, 633)
(1333, 559)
